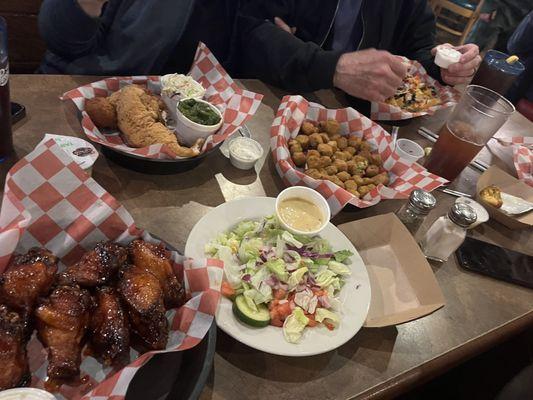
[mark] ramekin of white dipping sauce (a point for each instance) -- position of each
(244, 152)
(481, 212)
(302, 210)
(409, 151)
(446, 56)
(26, 394)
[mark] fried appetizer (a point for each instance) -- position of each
(26, 278)
(492, 195)
(62, 320)
(13, 360)
(102, 112)
(109, 330)
(143, 296)
(139, 120)
(156, 259)
(98, 266)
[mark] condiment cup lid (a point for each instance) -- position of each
(310, 195)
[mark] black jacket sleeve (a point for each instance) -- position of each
(67, 30)
(419, 37)
(272, 55)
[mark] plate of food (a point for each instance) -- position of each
(419, 94)
(171, 119)
(86, 297)
(286, 294)
(342, 154)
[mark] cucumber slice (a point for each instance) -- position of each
(244, 313)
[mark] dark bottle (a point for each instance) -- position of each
(6, 137)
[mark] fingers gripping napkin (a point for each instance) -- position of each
(419, 95)
(49, 202)
(236, 104)
(403, 179)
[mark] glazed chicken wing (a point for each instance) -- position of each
(143, 296)
(156, 259)
(97, 267)
(110, 336)
(26, 278)
(13, 361)
(62, 320)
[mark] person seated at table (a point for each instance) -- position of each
(307, 45)
(122, 37)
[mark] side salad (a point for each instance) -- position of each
(276, 278)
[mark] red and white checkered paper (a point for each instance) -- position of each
(49, 201)
(522, 156)
(448, 96)
(237, 104)
(294, 110)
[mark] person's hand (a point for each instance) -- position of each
(464, 70)
(93, 8)
(369, 74)
(283, 25)
(485, 17)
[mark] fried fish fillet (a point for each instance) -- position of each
(102, 112)
(139, 120)
(156, 259)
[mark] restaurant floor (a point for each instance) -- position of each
(487, 376)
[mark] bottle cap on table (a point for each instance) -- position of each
(423, 201)
(462, 215)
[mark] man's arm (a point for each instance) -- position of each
(273, 55)
(67, 29)
(520, 42)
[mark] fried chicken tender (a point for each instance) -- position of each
(62, 321)
(138, 118)
(102, 112)
(14, 371)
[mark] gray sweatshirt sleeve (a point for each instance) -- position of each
(67, 30)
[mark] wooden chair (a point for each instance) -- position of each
(451, 14)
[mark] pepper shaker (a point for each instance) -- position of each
(413, 213)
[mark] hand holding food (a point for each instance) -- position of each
(462, 71)
(369, 74)
(344, 160)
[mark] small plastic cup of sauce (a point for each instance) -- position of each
(409, 151)
(244, 152)
(302, 210)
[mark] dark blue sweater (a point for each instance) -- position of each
(133, 36)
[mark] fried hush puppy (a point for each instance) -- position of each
(347, 161)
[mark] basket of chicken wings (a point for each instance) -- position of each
(86, 297)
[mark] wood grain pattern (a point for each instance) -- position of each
(376, 363)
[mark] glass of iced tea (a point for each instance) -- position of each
(474, 120)
(498, 71)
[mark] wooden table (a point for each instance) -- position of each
(377, 363)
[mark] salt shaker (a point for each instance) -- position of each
(413, 213)
(447, 233)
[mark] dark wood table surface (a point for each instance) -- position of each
(377, 363)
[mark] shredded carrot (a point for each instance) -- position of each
(279, 294)
(227, 290)
(329, 325)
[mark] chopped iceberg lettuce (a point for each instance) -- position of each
(343, 255)
(244, 227)
(339, 268)
(277, 267)
(250, 249)
(296, 277)
(321, 314)
(294, 325)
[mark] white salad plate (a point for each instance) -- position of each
(354, 295)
